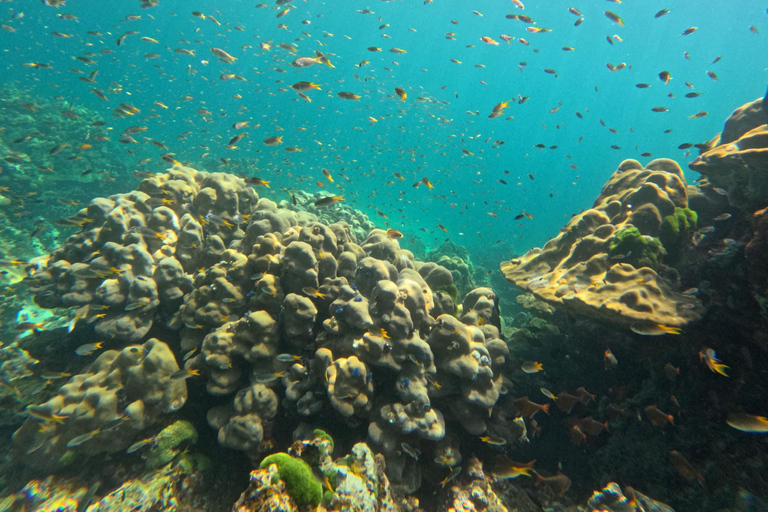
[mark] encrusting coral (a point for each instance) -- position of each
(605, 263)
(275, 310)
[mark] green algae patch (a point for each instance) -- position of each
(299, 480)
(677, 229)
(631, 246)
(322, 434)
(191, 462)
(169, 441)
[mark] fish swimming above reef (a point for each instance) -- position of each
(328, 201)
(709, 357)
(748, 423)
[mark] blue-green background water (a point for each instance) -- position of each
(417, 138)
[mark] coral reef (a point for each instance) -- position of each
(270, 306)
(755, 252)
(456, 259)
(304, 204)
(169, 442)
(300, 484)
(102, 409)
(44, 495)
(15, 363)
(604, 262)
(474, 492)
(287, 481)
(677, 229)
(612, 499)
(737, 160)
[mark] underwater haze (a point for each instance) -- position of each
(407, 148)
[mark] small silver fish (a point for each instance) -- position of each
(410, 450)
(88, 348)
(138, 445)
(137, 304)
(77, 441)
(185, 374)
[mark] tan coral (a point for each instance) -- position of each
(350, 387)
(119, 394)
(241, 426)
(740, 167)
(575, 269)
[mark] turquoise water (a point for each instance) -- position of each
(417, 138)
(380, 151)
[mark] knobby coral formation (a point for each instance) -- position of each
(102, 409)
(607, 260)
(274, 309)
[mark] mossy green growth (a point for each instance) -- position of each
(631, 246)
(168, 442)
(676, 229)
(191, 462)
(322, 434)
(299, 480)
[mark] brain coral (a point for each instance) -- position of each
(598, 264)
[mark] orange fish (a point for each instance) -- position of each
(684, 468)
(657, 417)
(591, 426)
(558, 484)
(577, 435)
(528, 408)
(566, 401)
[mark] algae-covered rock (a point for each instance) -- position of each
(169, 443)
(630, 246)
(298, 478)
(677, 229)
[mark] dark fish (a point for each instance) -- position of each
(328, 201)
(765, 101)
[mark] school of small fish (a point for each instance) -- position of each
(378, 123)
